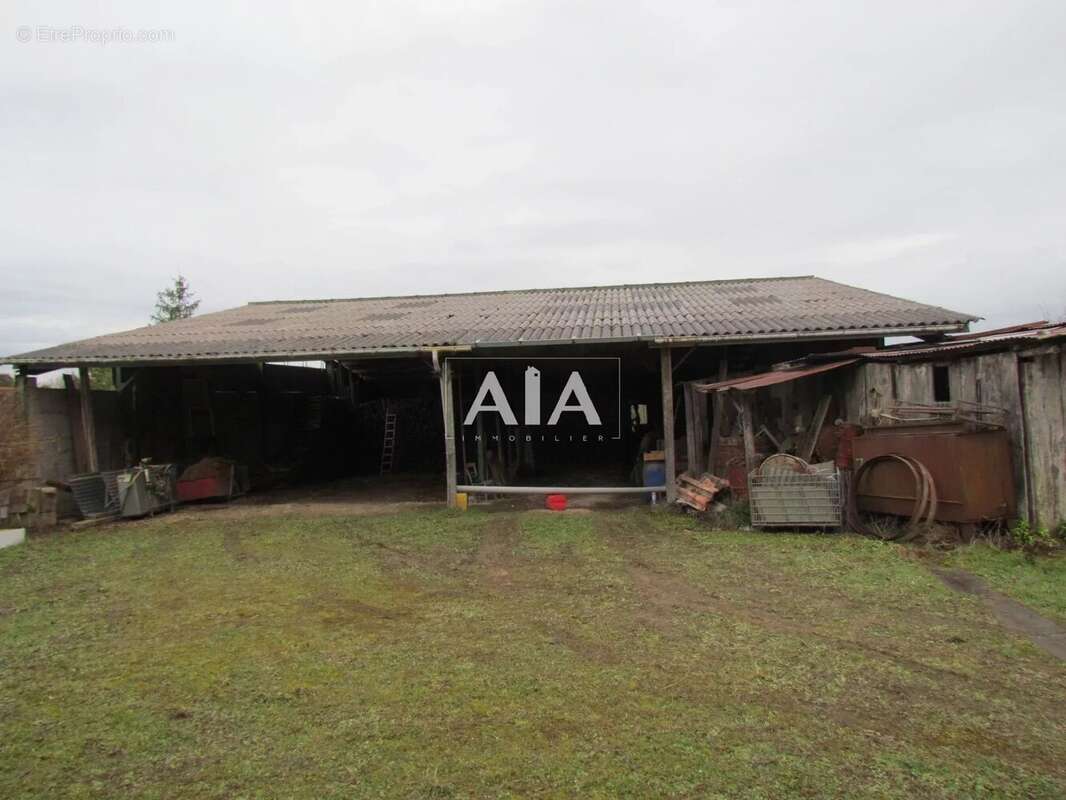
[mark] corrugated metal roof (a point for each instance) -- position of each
(762, 308)
(764, 379)
(1033, 333)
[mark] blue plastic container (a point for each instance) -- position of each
(654, 475)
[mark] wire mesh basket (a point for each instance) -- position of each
(96, 493)
(795, 495)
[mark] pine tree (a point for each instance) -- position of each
(175, 302)
(101, 378)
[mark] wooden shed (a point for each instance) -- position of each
(1020, 370)
(1017, 373)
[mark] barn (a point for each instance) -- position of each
(528, 389)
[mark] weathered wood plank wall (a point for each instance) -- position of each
(993, 379)
(913, 382)
(1027, 384)
(1045, 439)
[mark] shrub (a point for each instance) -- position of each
(1027, 537)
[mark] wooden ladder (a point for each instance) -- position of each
(388, 447)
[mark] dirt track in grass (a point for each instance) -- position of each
(1045, 633)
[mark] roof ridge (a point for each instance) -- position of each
(543, 289)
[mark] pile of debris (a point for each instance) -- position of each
(212, 478)
(784, 491)
(699, 493)
(147, 489)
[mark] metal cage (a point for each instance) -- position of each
(796, 496)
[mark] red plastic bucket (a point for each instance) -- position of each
(555, 502)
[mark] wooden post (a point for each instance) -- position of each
(482, 447)
(461, 462)
(701, 401)
(20, 392)
(447, 409)
(817, 421)
(500, 460)
(748, 429)
(353, 388)
(77, 437)
(695, 417)
(667, 378)
(482, 450)
(718, 418)
(88, 422)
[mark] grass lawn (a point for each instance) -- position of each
(434, 654)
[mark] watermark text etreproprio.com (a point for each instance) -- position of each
(73, 34)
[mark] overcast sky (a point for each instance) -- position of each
(363, 148)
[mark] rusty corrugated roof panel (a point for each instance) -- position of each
(1032, 333)
(762, 308)
(764, 379)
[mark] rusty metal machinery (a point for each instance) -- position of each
(925, 499)
(147, 489)
(970, 470)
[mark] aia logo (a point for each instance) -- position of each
(548, 398)
(574, 397)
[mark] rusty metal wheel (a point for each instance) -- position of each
(925, 500)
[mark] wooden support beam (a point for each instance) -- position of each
(764, 431)
(20, 392)
(92, 522)
(811, 440)
(744, 408)
(667, 379)
(448, 410)
(77, 437)
(461, 462)
(500, 460)
(690, 428)
(124, 379)
(482, 449)
(482, 446)
(677, 364)
(695, 422)
(701, 429)
(717, 418)
(88, 421)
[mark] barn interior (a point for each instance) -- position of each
(380, 420)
